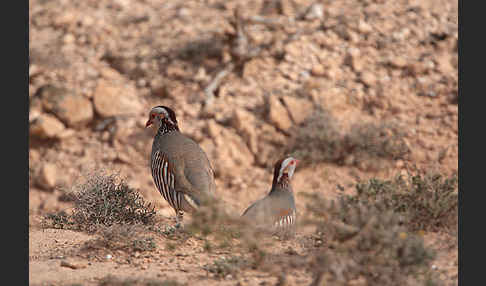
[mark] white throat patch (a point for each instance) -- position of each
(285, 164)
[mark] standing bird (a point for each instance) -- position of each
(277, 209)
(181, 170)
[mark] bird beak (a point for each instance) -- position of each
(149, 122)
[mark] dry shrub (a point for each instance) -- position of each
(428, 201)
(107, 199)
(223, 231)
(318, 139)
(225, 266)
(58, 220)
(104, 200)
(367, 145)
(372, 144)
(365, 241)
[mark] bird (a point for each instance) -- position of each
(180, 168)
(277, 209)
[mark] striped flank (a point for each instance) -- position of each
(286, 221)
(164, 181)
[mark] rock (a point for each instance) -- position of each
(227, 152)
(46, 126)
(65, 19)
(368, 78)
(318, 70)
(34, 155)
(444, 64)
(397, 62)
(416, 68)
(269, 142)
(213, 129)
(48, 176)
(244, 123)
(113, 100)
(68, 39)
(332, 72)
(74, 110)
(34, 113)
(66, 133)
(354, 60)
(315, 11)
(277, 113)
(364, 27)
(298, 108)
(34, 70)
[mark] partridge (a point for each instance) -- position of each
(277, 208)
(180, 169)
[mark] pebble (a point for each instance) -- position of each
(69, 39)
(315, 11)
(364, 27)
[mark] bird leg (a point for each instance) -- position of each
(179, 218)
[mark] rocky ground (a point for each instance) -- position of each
(244, 85)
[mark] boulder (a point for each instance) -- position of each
(298, 108)
(114, 100)
(46, 126)
(73, 109)
(48, 176)
(277, 114)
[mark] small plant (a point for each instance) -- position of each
(59, 220)
(223, 267)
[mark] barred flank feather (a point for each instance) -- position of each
(286, 221)
(164, 181)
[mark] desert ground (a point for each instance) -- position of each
(356, 90)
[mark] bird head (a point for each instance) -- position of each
(285, 167)
(160, 115)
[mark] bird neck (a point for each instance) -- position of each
(166, 128)
(282, 184)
